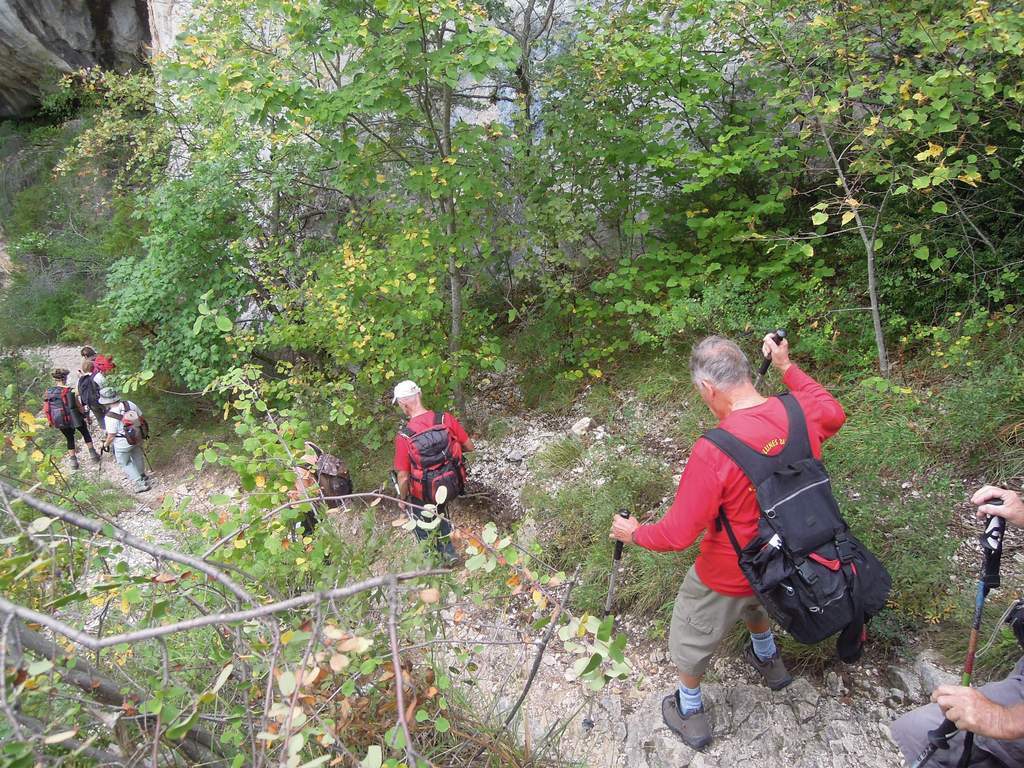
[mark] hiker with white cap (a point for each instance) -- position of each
(428, 456)
(126, 429)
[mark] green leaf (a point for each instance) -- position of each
(177, 731)
(39, 667)
(286, 682)
(921, 253)
(490, 533)
(819, 218)
(441, 725)
(40, 524)
(222, 678)
(374, 757)
(224, 323)
(940, 207)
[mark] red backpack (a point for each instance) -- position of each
(59, 408)
(103, 364)
(435, 459)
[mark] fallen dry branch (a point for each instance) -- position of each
(122, 536)
(94, 643)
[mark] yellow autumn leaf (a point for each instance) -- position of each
(37, 455)
(261, 481)
(848, 217)
(239, 543)
(990, 150)
(381, 178)
(27, 418)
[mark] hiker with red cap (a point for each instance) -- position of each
(715, 593)
(428, 455)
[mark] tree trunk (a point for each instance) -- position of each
(868, 239)
(454, 276)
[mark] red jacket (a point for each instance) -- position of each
(711, 480)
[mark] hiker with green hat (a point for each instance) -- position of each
(428, 456)
(126, 428)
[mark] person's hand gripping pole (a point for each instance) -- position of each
(992, 549)
(622, 531)
(772, 346)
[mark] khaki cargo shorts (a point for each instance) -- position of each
(701, 618)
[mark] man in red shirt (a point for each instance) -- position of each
(429, 446)
(715, 594)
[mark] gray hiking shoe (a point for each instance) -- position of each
(773, 671)
(73, 461)
(694, 729)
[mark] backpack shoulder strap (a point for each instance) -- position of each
(438, 418)
(798, 441)
(757, 467)
(723, 522)
(406, 431)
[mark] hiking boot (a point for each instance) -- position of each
(694, 729)
(773, 671)
(142, 487)
(95, 455)
(73, 461)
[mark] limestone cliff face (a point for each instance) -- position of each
(39, 38)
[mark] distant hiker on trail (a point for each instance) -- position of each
(126, 429)
(65, 412)
(428, 455)
(320, 476)
(994, 712)
(715, 593)
(101, 363)
(90, 382)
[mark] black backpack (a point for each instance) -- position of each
(88, 390)
(435, 460)
(812, 575)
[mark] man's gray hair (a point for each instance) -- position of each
(719, 361)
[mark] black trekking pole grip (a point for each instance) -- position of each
(992, 544)
(777, 337)
(624, 514)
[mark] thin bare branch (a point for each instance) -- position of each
(94, 643)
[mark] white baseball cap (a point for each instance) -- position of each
(405, 389)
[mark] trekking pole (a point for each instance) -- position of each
(616, 562)
(988, 579)
(145, 458)
(777, 337)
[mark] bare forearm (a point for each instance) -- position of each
(1008, 723)
(403, 484)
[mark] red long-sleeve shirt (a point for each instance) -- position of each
(711, 480)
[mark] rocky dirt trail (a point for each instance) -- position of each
(178, 481)
(838, 720)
